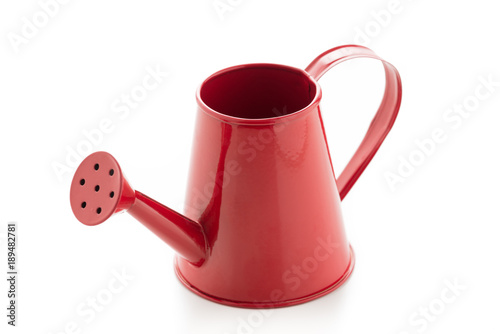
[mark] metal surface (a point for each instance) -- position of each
(262, 225)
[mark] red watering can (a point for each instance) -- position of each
(262, 225)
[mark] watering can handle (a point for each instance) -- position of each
(381, 123)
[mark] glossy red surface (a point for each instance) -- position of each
(263, 224)
(384, 118)
(263, 187)
(99, 189)
(185, 236)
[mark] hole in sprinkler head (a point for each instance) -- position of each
(112, 194)
(84, 204)
(111, 172)
(82, 182)
(96, 166)
(97, 188)
(98, 211)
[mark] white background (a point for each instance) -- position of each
(441, 223)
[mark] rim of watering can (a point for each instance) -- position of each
(260, 121)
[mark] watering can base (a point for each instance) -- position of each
(281, 303)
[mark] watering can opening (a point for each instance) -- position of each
(258, 91)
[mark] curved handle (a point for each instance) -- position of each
(381, 123)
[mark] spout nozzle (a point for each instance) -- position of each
(99, 189)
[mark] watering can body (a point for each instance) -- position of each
(262, 224)
(267, 199)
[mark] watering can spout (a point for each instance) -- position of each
(99, 190)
